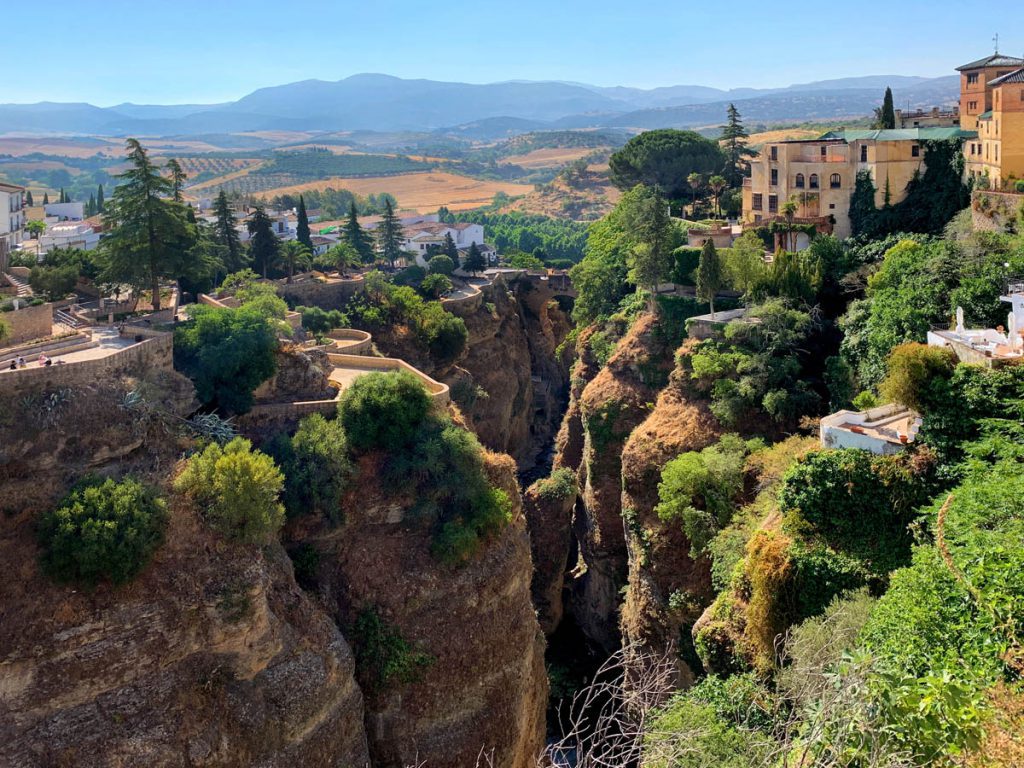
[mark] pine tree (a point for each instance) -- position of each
(649, 221)
(709, 275)
(28, 198)
(734, 143)
(474, 260)
(449, 249)
(178, 178)
(357, 237)
(263, 243)
(148, 238)
(226, 236)
(302, 227)
(100, 205)
(390, 234)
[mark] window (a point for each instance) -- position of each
(799, 181)
(757, 201)
(757, 218)
(864, 153)
(972, 106)
(775, 176)
(775, 153)
(824, 151)
(915, 151)
(814, 181)
(831, 206)
(835, 181)
(972, 79)
(996, 150)
(773, 203)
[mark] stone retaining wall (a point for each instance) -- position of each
(993, 211)
(151, 354)
(28, 323)
(333, 294)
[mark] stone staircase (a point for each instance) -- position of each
(20, 284)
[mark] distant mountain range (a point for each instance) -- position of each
(384, 103)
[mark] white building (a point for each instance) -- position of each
(65, 211)
(12, 219)
(987, 346)
(68, 234)
(885, 430)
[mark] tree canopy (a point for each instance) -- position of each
(664, 158)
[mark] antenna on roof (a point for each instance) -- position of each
(996, 41)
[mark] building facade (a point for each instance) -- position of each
(821, 174)
(12, 220)
(997, 156)
(976, 78)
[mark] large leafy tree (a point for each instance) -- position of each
(664, 158)
(734, 143)
(302, 233)
(474, 260)
(390, 234)
(357, 237)
(149, 238)
(227, 236)
(263, 243)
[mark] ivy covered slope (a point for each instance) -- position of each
(822, 607)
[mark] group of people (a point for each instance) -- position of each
(20, 362)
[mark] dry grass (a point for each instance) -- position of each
(552, 157)
(784, 134)
(422, 192)
(20, 145)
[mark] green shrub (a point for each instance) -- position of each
(441, 265)
(435, 285)
(227, 353)
(412, 275)
(317, 321)
(685, 261)
(237, 490)
(316, 468)
(911, 369)
(443, 333)
(384, 659)
(699, 489)
(560, 485)
(383, 411)
(1019, 186)
(103, 529)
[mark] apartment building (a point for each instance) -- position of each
(996, 158)
(976, 90)
(820, 174)
(12, 219)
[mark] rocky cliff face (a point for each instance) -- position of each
(212, 656)
(511, 383)
(484, 685)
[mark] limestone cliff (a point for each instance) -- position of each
(211, 656)
(484, 687)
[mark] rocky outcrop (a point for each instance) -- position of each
(668, 587)
(213, 656)
(511, 384)
(548, 505)
(301, 374)
(484, 685)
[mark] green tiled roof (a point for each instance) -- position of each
(985, 115)
(901, 134)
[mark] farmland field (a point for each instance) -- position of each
(422, 192)
(551, 157)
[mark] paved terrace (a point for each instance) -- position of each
(107, 341)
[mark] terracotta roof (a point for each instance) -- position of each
(995, 60)
(11, 187)
(1013, 77)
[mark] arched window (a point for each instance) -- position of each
(835, 182)
(799, 181)
(814, 181)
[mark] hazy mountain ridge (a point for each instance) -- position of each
(386, 103)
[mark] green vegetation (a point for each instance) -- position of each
(664, 159)
(560, 485)
(551, 240)
(316, 468)
(237, 490)
(384, 658)
(103, 530)
(321, 163)
(382, 411)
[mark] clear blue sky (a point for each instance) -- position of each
(187, 51)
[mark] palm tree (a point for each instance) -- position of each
(717, 184)
(789, 209)
(694, 180)
(294, 253)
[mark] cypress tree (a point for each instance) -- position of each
(357, 237)
(263, 243)
(449, 248)
(390, 234)
(28, 198)
(62, 199)
(100, 206)
(474, 260)
(709, 275)
(302, 227)
(887, 117)
(90, 207)
(46, 198)
(226, 236)
(734, 143)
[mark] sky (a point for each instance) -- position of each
(188, 51)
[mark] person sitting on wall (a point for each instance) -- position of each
(21, 362)
(42, 359)
(14, 365)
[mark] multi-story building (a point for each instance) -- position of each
(820, 174)
(12, 219)
(996, 158)
(976, 86)
(936, 117)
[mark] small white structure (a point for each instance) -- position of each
(12, 219)
(69, 234)
(65, 211)
(987, 346)
(884, 430)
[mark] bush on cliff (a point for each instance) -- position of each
(383, 411)
(237, 489)
(103, 529)
(384, 658)
(316, 467)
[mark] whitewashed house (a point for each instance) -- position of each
(12, 219)
(884, 430)
(65, 211)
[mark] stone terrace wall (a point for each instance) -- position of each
(330, 295)
(151, 354)
(28, 323)
(994, 210)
